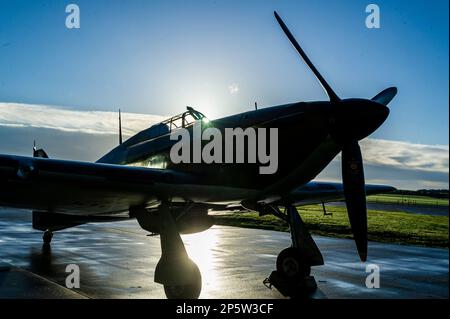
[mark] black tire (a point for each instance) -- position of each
(291, 264)
(191, 291)
(47, 237)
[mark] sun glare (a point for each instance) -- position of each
(201, 248)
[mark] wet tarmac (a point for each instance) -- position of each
(117, 260)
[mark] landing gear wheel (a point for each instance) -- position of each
(47, 237)
(291, 264)
(190, 291)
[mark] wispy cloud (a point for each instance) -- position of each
(401, 164)
(69, 120)
(404, 155)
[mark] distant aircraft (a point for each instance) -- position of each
(138, 180)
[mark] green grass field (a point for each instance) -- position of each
(408, 200)
(391, 227)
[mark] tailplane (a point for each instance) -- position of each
(39, 152)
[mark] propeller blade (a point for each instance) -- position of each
(355, 195)
(333, 97)
(385, 96)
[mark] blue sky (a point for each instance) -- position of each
(155, 57)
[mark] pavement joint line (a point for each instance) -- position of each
(20, 269)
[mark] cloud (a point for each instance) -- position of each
(57, 143)
(87, 135)
(233, 89)
(401, 164)
(69, 120)
(404, 155)
(402, 178)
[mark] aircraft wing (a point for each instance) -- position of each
(71, 187)
(323, 192)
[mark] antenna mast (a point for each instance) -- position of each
(120, 128)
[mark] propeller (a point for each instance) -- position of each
(353, 120)
(355, 194)
(385, 96)
(333, 97)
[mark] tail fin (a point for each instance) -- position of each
(38, 152)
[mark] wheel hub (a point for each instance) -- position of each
(291, 266)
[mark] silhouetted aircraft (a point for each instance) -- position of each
(138, 180)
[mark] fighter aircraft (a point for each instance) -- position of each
(138, 180)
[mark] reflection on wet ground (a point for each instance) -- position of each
(117, 260)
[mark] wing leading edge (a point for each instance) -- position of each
(323, 192)
(83, 188)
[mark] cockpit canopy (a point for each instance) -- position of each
(184, 119)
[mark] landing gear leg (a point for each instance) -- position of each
(292, 277)
(175, 270)
(47, 237)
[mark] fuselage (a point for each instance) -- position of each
(305, 147)
(310, 135)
